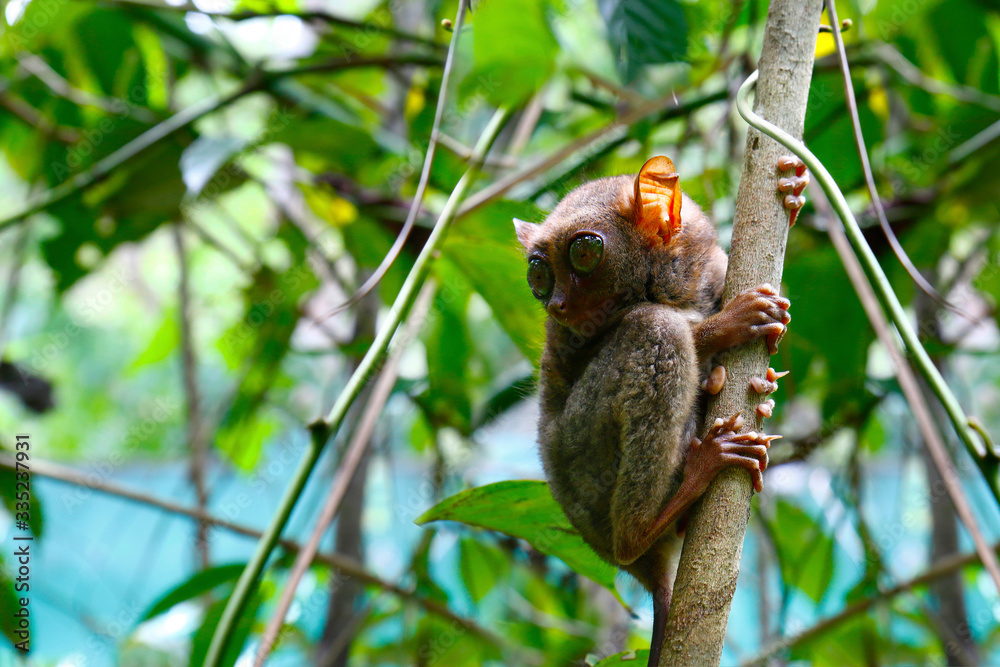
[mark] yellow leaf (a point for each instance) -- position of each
(878, 102)
(825, 44)
(415, 100)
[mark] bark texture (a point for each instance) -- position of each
(709, 566)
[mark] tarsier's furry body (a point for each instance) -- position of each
(631, 277)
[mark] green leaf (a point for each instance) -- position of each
(164, 342)
(633, 658)
(815, 278)
(203, 159)
(504, 399)
(975, 52)
(514, 51)
(484, 248)
(201, 583)
(446, 400)
(804, 551)
(846, 644)
(336, 145)
(644, 32)
(105, 36)
(259, 342)
(481, 566)
(525, 509)
(203, 637)
(9, 490)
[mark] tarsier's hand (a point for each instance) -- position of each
(756, 312)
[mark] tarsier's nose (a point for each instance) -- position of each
(558, 303)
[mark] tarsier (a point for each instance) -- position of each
(631, 277)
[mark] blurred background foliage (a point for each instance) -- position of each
(206, 181)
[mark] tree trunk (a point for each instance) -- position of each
(709, 566)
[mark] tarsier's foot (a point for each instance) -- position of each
(715, 381)
(722, 447)
(792, 186)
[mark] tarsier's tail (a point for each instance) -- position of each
(661, 605)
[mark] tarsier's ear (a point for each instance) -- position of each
(657, 202)
(525, 232)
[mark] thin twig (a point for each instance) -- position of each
(348, 566)
(911, 390)
(37, 119)
(13, 285)
(367, 26)
(866, 167)
(913, 74)
(106, 165)
(425, 174)
(195, 432)
(322, 430)
(609, 133)
(36, 66)
(986, 459)
(345, 472)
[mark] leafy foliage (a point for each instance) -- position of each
(285, 142)
(525, 509)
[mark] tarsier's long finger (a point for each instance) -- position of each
(771, 308)
(715, 381)
(753, 436)
(754, 450)
(753, 465)
(767, 290)
(774, 332)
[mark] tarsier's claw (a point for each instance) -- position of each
(768, 384)
(773, 375)
(774, 336)
(735, 423)
(715, 381)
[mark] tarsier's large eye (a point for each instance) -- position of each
(540, 278)
(585, 252)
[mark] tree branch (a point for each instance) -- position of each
(709, 566)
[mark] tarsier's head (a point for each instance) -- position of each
(592, 254)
